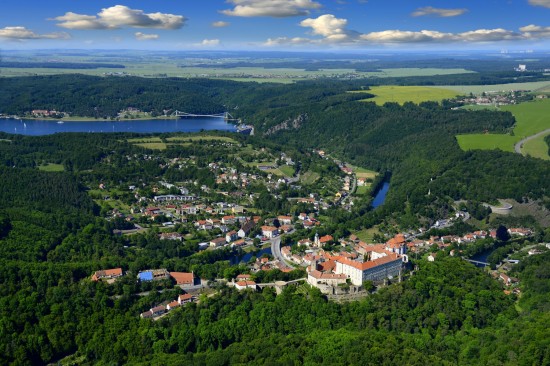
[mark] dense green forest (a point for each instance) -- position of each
(53, 236)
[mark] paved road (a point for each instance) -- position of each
(276, 250)
(520, 144)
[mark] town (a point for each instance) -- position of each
(264, 213)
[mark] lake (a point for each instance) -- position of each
(48, 127)
(381, 195)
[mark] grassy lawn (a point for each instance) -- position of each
(362, 190)
(152, 145)
(402, 94)
(537, 148)
(52, 167)
(287, 170)
(199, 138)
(144, 140)
(531, 117)
(475, 107)
(478, 89)
(366, 235)
(487, 142)
(363, 173)
(309, 177)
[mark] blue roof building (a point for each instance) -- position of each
(145, 276)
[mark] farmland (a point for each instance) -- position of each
(531, 118)
(402, 94)
(537, 86)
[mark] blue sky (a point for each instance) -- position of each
(275, 24)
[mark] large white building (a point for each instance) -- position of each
(387, 266)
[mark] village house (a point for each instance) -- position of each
(107, 274)
(185, 298)
(238, 243)
(172, 305)
(242, 285)
(285, 220)
(231, 236)
(320, 241)
(269, 231)
(519, 232)
(153, 275)
(229, 220)
(183, 278)
(246, 229)
(217, 242)
(244, 277)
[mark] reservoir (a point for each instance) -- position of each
(48, 127)
(381, 195)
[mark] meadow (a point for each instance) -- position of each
(531, 118)
(402, 94)
(536, 86)
(185, 68)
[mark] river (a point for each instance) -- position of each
(380, 197)
(244, 258)
(47, 127)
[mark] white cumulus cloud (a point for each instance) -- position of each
(429, 10)
(220, 24)
(20, 33)
(332, 28)
(271, 8)
(544, 3)
(120, 16)
(145, 37)
(210, 42)
(334, 31)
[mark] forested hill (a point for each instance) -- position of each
(416, 143)
(104, 97)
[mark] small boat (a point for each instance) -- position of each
(60, 122)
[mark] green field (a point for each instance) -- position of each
(200, 138)
(531, 118)
(537, 86)
(362, 190)
(50, 167)
(363, 173)
(402, 94)
(537, 148)
(170, 68)
(503, 142)
(366, 235)
(309, 177)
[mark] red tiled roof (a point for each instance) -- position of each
(369, 264)
(183, 278)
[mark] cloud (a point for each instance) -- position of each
(429, 10)
(210, 42)
(120, 16)
(544, 3)
(535, 31)
(271, 8)
(428, 36)
(398, 36)
(330, 27)
(334, 31)
(282, 41)
(20, 33)
(220, 24)
(145, 37)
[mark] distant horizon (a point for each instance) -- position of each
(286, 25)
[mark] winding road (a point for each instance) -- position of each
(519, 145)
